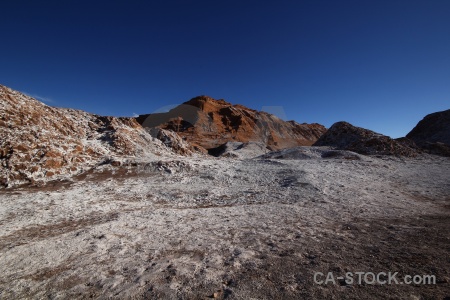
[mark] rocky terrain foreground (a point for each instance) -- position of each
(197, 228)
(118, 208)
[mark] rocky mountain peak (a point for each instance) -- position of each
(211, 123)
(206, 103)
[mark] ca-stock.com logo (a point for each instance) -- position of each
(371, 278)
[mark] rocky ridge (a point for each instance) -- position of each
(345, 136)
(209, 123)
(432, 133)
(40, 143)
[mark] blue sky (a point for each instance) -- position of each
(382, 65)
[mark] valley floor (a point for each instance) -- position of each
(230, 229)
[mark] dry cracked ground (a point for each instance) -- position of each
(201, 228)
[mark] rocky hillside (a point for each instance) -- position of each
(210, 123)
(433, 128)
(345, 136)
(432, 133)
(39, 142)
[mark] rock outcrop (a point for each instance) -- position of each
(40, 143)
(345, 136)
(432, 128)
(210, 123)
(432, 133)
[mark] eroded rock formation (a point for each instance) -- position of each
(209, 123)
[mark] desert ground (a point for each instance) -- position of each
(231, 228)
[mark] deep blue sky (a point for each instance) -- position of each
(382, 65)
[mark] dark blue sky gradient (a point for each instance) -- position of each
(382, 65)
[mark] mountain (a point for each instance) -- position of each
(40, 143)
(432, 133)
(210, 123)
(345, 136)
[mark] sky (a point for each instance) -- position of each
(381, 65)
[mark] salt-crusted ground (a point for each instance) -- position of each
(194, 228)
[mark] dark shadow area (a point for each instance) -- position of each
(217, 151)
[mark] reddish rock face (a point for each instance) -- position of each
(210, 123)
(38, 141)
